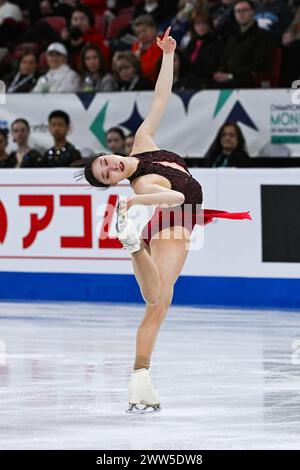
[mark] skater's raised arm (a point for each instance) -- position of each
(162, 93)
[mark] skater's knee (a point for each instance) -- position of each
(151, 299)
(155, 315)
(163, 298)
(157, 301)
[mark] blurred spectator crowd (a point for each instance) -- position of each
(110, 45)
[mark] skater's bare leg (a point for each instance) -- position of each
(169, 256)
(147, 275)
(157, 272)
(148, 330)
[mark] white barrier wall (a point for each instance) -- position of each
(49, 224)
(189, 126)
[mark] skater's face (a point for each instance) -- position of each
(229, 138)
(109, 169)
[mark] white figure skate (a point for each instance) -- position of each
(142, 396)
(126, 230)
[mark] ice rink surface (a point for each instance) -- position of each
(227, 379)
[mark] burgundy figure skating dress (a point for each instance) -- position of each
(189, 213)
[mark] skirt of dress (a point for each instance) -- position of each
(170, 217)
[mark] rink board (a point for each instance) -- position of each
(58, 240)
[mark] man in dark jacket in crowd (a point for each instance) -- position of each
(247, 50)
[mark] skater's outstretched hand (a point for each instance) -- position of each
(167, 43)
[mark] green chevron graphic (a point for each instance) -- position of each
(97, 126)
(224, 95)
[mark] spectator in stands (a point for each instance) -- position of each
(291, 51)
(6, 160)
(82, 31)
(126, 68)
(203, 48)
(180, 22)
(223, 20)
(274, 150)
(157, 9)
(10, 25)
(228, 148)
(115, 139)
(185, 8)
(274, 16)
(26, 78)
(183, 77)
(24, 156)
(247, 51)
(60, 77)
(38, 9)
(129, 139)
(94, 75)
(63, 153)
(146, 48)
(9, 10)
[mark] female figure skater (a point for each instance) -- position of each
(161, 178)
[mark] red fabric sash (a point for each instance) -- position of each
(210, 214)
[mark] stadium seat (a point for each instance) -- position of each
(270, 78)
(128, 10)
(24, 47)
(117, 24)
(55, 22)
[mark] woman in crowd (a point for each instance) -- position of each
(24, 156)
(82, 31)
(94, 75)
(115, 139)
(126, 67)
(26, 77)
(228, 148)
(202, 48)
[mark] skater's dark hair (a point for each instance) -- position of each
(87, 171)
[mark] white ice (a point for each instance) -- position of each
(227, 379)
